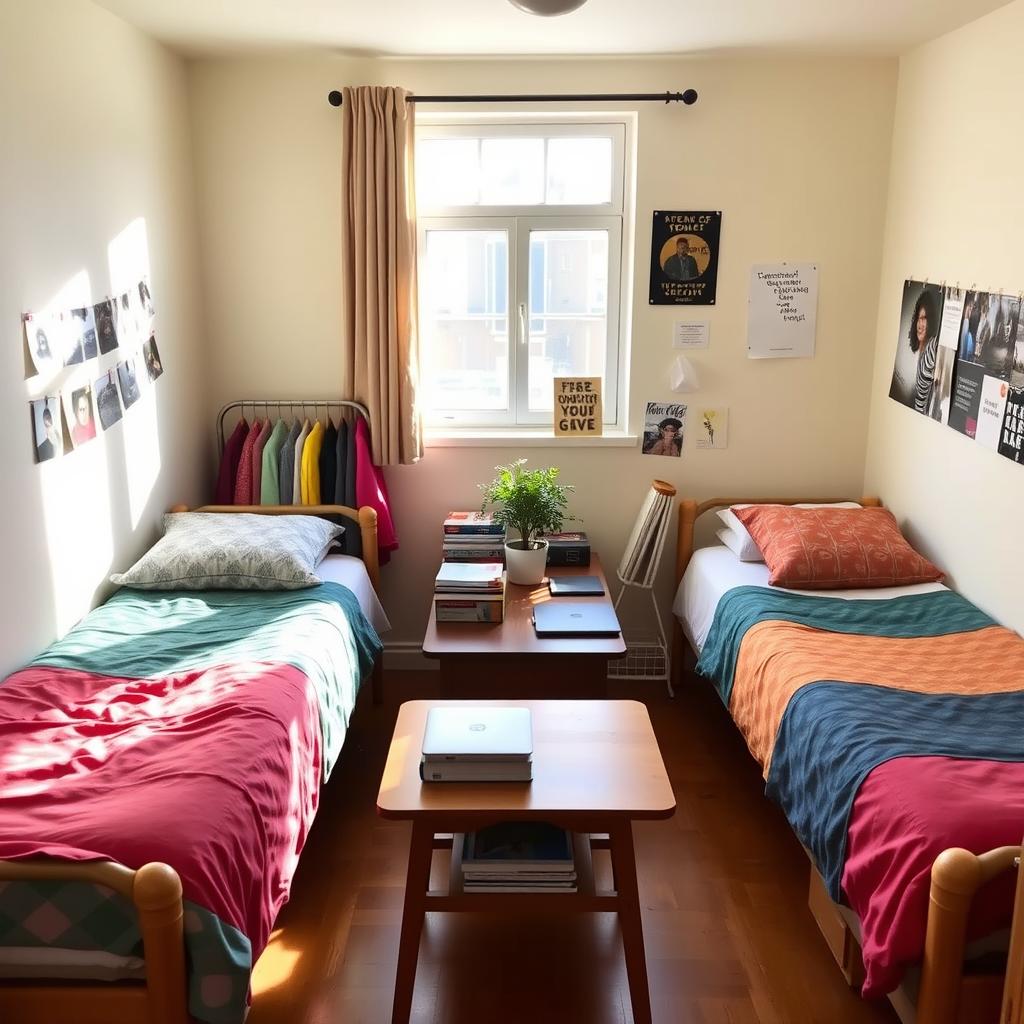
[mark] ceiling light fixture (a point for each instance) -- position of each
(547, 8)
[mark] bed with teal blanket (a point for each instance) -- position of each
(192, 728)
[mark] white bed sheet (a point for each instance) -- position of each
(712, 571)
(350, 572)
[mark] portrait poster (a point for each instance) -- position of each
(80, 414)
(108, 402)
(81, 344)
(106, 328)
(917, 345)
(129, 382)
(47, 428)
(578, 410)
(44, 339)
(664, 427)
(151, 357)
(712, 428)
(684, 257)
(1011, 440)
(782, 310)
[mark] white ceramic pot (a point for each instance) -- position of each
(526, 567)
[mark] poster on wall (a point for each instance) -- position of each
(664, 426)
(782, 310)
(577, 407)
(712, 428)
(684, 257)
(1011, 440)
(47, 432)
(918, 345)
(984, 372)
(80, 413)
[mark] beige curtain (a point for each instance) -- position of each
(378, 232)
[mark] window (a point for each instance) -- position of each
(521, 226)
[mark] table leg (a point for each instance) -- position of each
(624, 867)
(417, 880)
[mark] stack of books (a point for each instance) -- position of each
(470, 592)
(472, 537)
(485, 744)
(518, 856)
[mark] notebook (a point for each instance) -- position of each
(478, 734)
(575, 619)
(575, 586)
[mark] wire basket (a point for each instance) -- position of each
(646, 658)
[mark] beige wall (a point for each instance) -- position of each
(795, 153)
(955, 213)
(95, 188)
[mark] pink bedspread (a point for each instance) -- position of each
(909, 810)
(184, 769)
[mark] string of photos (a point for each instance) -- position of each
(105, 358)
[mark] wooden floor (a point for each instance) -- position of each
(723, 885)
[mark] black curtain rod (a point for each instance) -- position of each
(689, 97)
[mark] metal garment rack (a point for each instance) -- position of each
(305, 405)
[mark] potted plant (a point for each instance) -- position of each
(529, 501)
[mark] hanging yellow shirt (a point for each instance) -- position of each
(311, 465)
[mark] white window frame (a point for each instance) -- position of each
(615, 217)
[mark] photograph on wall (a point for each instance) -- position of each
(126, 321)
(1011, 440)
(1017, 363)
(991, 412)
(81, 344)
(146, 300)
(47, 431)
(684, 257)
(917, 348)
(106, 329)
(129, 382)
(80, 414)
(712, 428)
(664, 427)
(108, 402)
(43, 338)
(151, 357)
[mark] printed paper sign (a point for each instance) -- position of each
(578, 409)
(691, 334)
(782, 310)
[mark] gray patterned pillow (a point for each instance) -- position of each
(232, 551)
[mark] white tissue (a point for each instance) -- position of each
(683, 376)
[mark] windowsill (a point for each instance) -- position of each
(481, 437)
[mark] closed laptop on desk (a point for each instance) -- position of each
(470, 734)
(575, 619)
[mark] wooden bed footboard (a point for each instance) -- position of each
(155, 891)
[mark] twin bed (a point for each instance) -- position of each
(160, 768)
(888, 723)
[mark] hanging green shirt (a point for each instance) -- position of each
(270, 488)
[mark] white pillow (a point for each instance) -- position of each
(743, 544)
(734, 543)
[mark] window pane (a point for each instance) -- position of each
(511, 171)
(464, 320)
(568, 309)
(447, 172)
(579, 171)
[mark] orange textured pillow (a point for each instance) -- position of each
(829, 548)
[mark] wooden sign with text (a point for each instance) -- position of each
(578, 408)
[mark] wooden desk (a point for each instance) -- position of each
(480, 659)
(596, 768)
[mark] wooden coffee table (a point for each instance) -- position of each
(509, 659)
(596, 768)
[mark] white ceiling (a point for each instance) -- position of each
(471, 27)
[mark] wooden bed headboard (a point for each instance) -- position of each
(366, 517)
(690, 509)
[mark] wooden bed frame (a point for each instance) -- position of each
(947, 993)
(154, 889)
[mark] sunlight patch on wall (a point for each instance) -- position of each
(128, 258)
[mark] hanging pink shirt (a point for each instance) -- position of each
(371, 490)
(243, 482)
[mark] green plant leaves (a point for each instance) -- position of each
(529, 501)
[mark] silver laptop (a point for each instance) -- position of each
(478, 734)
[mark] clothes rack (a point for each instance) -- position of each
(304, 405)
